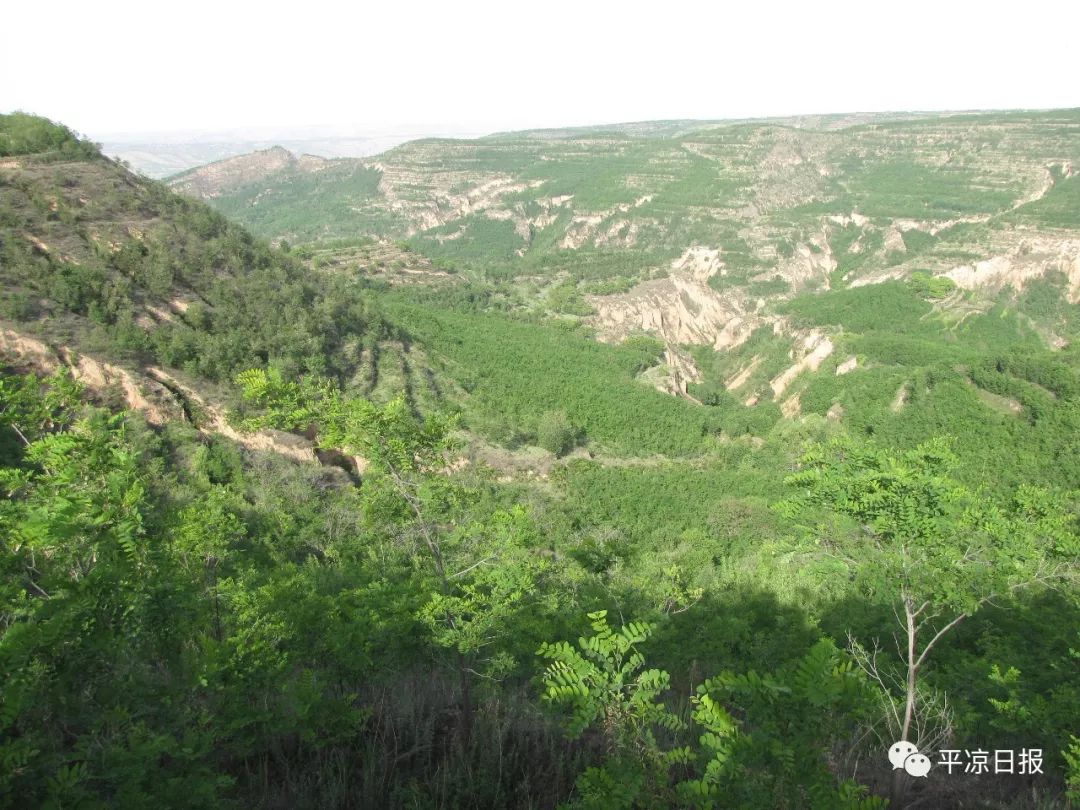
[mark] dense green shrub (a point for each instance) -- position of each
(928, 286)
(556, 433)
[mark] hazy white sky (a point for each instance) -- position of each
(112, 66)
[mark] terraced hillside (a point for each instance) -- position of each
(158, 301)
(765, 257)
(866, 198)
(986, 200)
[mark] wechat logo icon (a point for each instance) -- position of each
(905, 755)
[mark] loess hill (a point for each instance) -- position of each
(884, 273)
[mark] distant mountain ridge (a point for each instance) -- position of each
(223, 175)
(161, 155)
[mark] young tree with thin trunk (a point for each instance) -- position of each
(931, 548)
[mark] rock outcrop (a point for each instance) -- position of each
(681, 308)
(1032, 257)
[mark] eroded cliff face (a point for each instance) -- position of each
(1030, 256)
(684, 307)
(681, 308)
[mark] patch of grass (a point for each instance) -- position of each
(775, 285)
(482, 241)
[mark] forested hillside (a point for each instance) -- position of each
(884, 274)
(385, 516)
